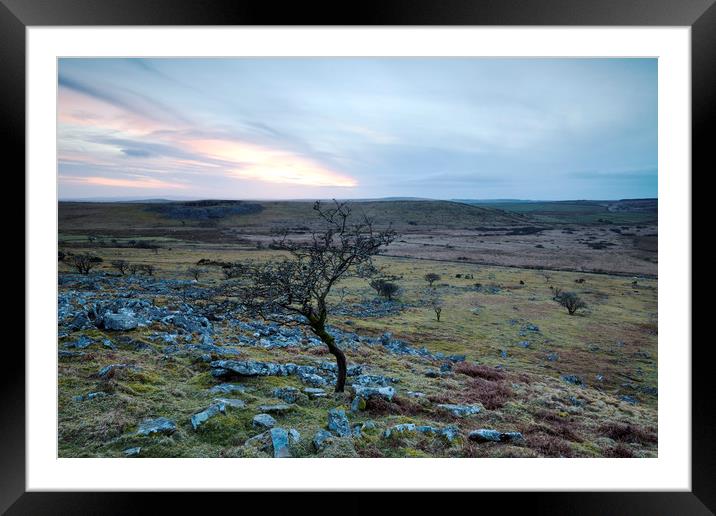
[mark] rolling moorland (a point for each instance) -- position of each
(155, 361)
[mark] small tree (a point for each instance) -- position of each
(571, 302)
(61, 255)
(84, 262)
(121, 265)
(300, 284)
(134, 268)
(435, 301)
(385, 288)
(431, 278)
(148, 269)
(233, 270)
(195, 272)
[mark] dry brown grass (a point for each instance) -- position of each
(628, 433)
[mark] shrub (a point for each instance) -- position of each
(627, 433)
(431, 278)
(195, 272)
(121, 265)
(84, 262)
(570, 301)
(385, 288)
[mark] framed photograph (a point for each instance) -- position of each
(436, 247)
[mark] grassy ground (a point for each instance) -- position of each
(612, 346)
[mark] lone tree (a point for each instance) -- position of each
(195, 272)
(84, 262)
(121, 265)
(431, 278)
(299, 284)
(385, 288)
(570, 301)
(435, 301)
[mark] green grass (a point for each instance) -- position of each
(538, 403)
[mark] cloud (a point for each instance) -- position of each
(137, 182)
(270, 165)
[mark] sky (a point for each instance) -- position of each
(290, 128)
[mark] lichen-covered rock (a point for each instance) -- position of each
(484, 435)
(122, 321)
(287, 394)
(338, 422)
(279, 441)
(461, 410)
(386, 393)
(278, 408)
(263, 421)
(202, 417)
(160, 425)
(320, 439)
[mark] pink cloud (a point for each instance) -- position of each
(139, 182)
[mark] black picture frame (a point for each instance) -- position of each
(700, 15)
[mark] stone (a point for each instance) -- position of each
(279, 441)
(107, 371)
(228, 388)
(231, 402)
(386, 393)
(70, 354)
(461, 410)
(122, 321)
(312, 379)
(278, 408)
(321, 438)
(358, 404)
(202, 417)
(573, 379)
(263, 421)
(81, 343)
(315, 392)
(287, 394)
(552, 357)
(372, 380)
(484, 435)
(416, 394)
(400, 429)
(629, 399)
(160, 425)
(524, 344)
(294, 435)
(132, 452)
(338, 422)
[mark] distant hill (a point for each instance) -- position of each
(214, 220)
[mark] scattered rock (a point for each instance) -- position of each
(461, 410)
(279, 441)
(160, 425)
(338, 422)
(228, 388)
(315, 392)
(202, 417)
(132, 452)
(484, 435)
(321, 438)
(287, 394)
(573, 379)
(122, 321)
(629, 399)
(278, 408)
(386, 393)
(263, 421)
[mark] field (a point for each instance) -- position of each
(582, 385)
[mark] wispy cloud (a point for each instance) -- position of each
(361, 127)
(137, 182)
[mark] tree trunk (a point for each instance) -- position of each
(336, 352)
